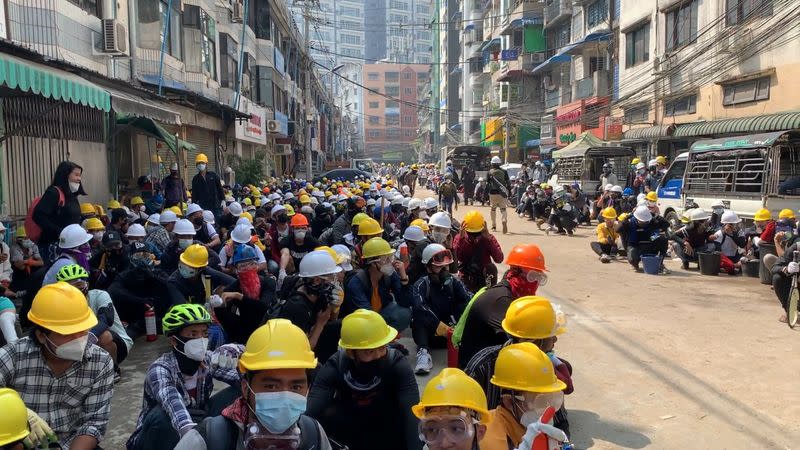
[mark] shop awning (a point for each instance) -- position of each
(131, 104)
(589, 143)
(648, 133)
(49, 82)
(150, 127)
(470, 26)
(565, 53)
(744, 125)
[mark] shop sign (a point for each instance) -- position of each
(546, 128)
(509, 55)
(613, 128)
(571, 116)
(280, 64)
(252, 130)
(283, 123)
(567, 138)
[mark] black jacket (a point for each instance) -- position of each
(133, 288)
(192, 289)
(207, 191)
(240, 318)
(383, 413)
(51, 218)
(483, 328)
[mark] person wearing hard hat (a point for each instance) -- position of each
(155, 204)
(88, 211)
(65, 379)
(173, 186)
(607, 235)
(343, 223)
(109, 262)
(785, 266)
(479, 325)
(14, 428)
(646, 235)
(695, 237)
(178, 385)
(785, 233)
(452, 412)
(528, 319)
(207, 187)
(563, 216)
(73, 247)
(474, 248)
(368, 228)
(439, 300)
(731, 242)
(24, 257)
(441, 229)
(160, 234)
(364, 393)
(639, 179)
(137, 233)
(138, 210)
(196, 279)
(415, 240)
(381, 285)
(499, 191)
(183, 236)
(270, 413)
(295, 247)
(228, 219)
(204, 232)
(524, 399)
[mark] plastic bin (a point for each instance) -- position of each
(651, 264)
(751, 268)
(763, 272)
(709, 263)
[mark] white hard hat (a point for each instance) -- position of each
(167, 217)
(307, 210)
(243, 221)
(641, 198)
(342, 198)
(344, 255)
(208, 217)
(314, 201)
(193, 208)
(184, 227)
(327, 205)
(717, 204)
(642, 214)
(397, 200)
(698, 214)
(616, 188)
(174, 166)
(640, 166)
(430, 251)
(414, 234)
(318, 263)
(317, 193)
(371, 202)
(730, 217)
(73, 236)
(154, 218)
(288, 196)
(608, 187)
(136, 230)
(431, 203)
(414, 203)
(406, 190)
(406, 201)
(276, 209)
(513, 178)
(274, 196)
(496, 160)
(264, 199)
(241, 233)
(235, 209)
(567, 207)
(440, 219)
(652, 163)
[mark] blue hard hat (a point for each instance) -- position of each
(627, 191)
(242, 253)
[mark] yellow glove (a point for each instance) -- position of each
(41, 433)
(442, 329)
(623, 216)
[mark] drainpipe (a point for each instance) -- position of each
(133, 24)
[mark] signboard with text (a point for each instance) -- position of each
(252, 130)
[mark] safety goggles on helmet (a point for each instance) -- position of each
(532, 401)
(443, 258)
(535, 275)
(454, 428)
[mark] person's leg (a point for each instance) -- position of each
(273, 267)
(221, 400)
(726, 265)
(396, 316)
(493, 210)
(782, 286)
(634, 256)
(157, 432)
(770, 260)
(597, 248)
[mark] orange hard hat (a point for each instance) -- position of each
(527, 256)
(299, 220)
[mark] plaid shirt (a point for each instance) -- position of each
(158, 236)
(481, 368)
(164, 386)
(75, 403)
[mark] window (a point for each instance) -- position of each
(407, 120)
(675, 171)
(746, 91)
(392, 91)
(374, 120)
(351, 52)
(423, 9)
(392, 77)
(374, 76)
(392, 121)
(475, 65)
(680, 106)
(260, 19)
(374, 133)
(637, 46)
(739, 11)
(249, 80)
(408, 75)
(725, 172)
(152, 16)
(200, 37)
(394, 4)
(374, 105)
(516, 38)
(391, 104)
(560, 37)
(408, 91)
(349, 11)
(393, 133)
(637, 114)
(90, 6)
(264, 86)
(681, 25)
(422, 77)
(596, 13)
(228, 54)
(350, 39)
(398, 18)
(408, 133)
(349, 25)
(597, 64)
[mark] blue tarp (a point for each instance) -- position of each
(564, 54)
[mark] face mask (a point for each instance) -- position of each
(283, 218)
(278, 411)
(195, 349)
(201, 167)
(73, 187)
(197, 221)
(387, 269)
(98, 236)
(439, 236)
(187, 272)
(300, 234)
(72, 350)
(185, 243)
(27, 243)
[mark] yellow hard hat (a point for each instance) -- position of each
(20, 233)
(336, 257)
(93, 224)
(358, 218)
(87, 208)
(99, 210)
(195, 255)
(188, 195)
(364, 329)
(184, 206)
(328, 194)
(305, 199)
(113, 204)
(257, 202)
(137, 201)
(201, 158)
(453, 387)
(651, 196)
(369, 227)
(414, 167)
(247, 216)
(474, 222)
(289, 210)
(278, 344)
(309, 186)
(62, 308)
(531, 317)
(762, 214)
(14, 420)
(375, 247)
(523, 367)
(421, 223)
(786, 214)
(609, 213)
(635, 161)
(177, 210)
(661, 160)
(247, 202)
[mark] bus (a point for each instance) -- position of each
(478, 155)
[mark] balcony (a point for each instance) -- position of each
(594, 86)
(557, 10)
(553, 99)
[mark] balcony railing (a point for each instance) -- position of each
(584, 88)
(552, 99)
(556, 10)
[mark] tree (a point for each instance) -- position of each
(249, 171)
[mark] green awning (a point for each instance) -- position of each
(150, 127)
(744, 125)
(648, 133)
(28, 76)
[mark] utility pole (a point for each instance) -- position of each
(307, 89)
(506, 137)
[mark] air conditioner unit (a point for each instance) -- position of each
(115, 37)
(537, 58)
(237, 15)
(273, 126)
(283, 149)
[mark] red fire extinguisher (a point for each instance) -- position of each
(452, 350)
(150, 324)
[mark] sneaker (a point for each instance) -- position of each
(665, 271)
(424, 362)
(685, 265)
(605, 258)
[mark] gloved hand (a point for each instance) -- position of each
(792, 267)
(337, 296)
(215, 301)
(442, 329)
(191, 441)
(533, 430)
(227, 356)
(281, 277)
(41, 433)
(554, 359)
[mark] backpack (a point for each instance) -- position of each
(33, 230)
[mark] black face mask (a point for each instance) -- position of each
(186, 365)
(198, 221)
(397, 209)
(369, 370)
(283, 218)
(443, 277)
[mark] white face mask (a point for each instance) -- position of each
(185, 243)
(27, 243)
(201, 167)
(196, 349)
(387, 269)
(72, 350)
(300, 234)
(73, 187)
(439, 236)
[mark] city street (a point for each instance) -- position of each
(663, 362)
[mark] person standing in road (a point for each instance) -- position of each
(174, 190)
(499, 191)
(207, 187)
(468, 181)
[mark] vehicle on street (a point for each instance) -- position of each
(512, 169)
(582, 162)
(670, 191)
(478, 155)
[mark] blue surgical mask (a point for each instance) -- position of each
(278, 411)
(185, 243)
(186, 272)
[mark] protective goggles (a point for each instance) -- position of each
(537, 276)
(442, 258)
(256, 437)
(451, 428)
(533, 401)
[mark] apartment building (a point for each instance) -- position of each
(397, 30)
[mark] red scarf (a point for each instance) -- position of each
(520, 286)
(250, 284)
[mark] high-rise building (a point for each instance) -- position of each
(397, 31)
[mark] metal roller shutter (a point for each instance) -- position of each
(206, 142)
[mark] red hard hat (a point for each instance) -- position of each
(299, 220)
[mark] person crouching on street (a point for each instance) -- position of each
(607, 234)
(731, 243)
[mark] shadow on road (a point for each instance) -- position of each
(587, 426)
